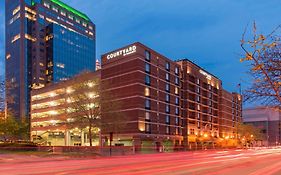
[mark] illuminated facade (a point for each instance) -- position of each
(51, 114)
(46, 41)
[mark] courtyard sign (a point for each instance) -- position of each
(123, 52)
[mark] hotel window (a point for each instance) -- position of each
(84, 24)
(192, 131)
(198, 124)
(55, 9)
(198, 81)
(147, 103)
(167, 109)
(198, 116)
(210, 95)
(176, 90)
(77, 20)
(210, 87)
(147, 79)
(167, 129)
(176, 70)
(177, 121)
(147, 55)
(177, 112)
(167, 76)
(167, 98)
(177, 100)
(147, 68)
(167, 119)
(147, 92)
(177, 80)
(210, 103)
(198, 107)
(147, 128)
(63, 13)
(198, 90)
(90, 27)
(167, 66)
(197, 98)
(167, 87)
(147, 116)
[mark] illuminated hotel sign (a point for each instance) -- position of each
(123, 52)
(209, 77)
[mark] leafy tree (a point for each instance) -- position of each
(263, 53)
(84, 105)
(249, 133)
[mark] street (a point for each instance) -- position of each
(260, 161)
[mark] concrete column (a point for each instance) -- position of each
(67, 138)
(82, 138)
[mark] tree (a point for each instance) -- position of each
(84, 105)
(248, 133)
(263, 53)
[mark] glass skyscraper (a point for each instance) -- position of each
(46, 41)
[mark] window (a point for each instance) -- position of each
(192, 131)
(147, 79)
(167, 98)
(167, 76)
(198, 116)
(198, 124)
(147, 127)
(55, 9)
(63, 13)
(70, 17)
(77, 20)
(198, 90)
(167, 129)
(147, 55)
(198, 81)
(177, 80)
(46, 5)
(147, 92)
(177, 100)
(176, 70)
(167, 109)
(177, 121)
(167, 119)
(147, 116)
(90, 27)
(147, 67)
(167, 66)
(177, 111)
(177, 90)
(84, 24)
(198, 107)
(167, 88)
(147, 103)
(198, 98)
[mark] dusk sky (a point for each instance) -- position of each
(206, 32)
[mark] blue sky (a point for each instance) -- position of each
(205, 31)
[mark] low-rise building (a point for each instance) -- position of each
(268, 120)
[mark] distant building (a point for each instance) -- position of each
(46, 41)
(268, 120)
(98, 65)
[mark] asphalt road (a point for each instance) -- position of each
(233, 162)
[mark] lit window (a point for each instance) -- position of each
(167, 130)
(77, 20)
(70, 17)
(15, 38)
(147, 67)
(84, 24)
(198, 107)
(46, 5)
(198, 116)
(147, 116)
(90, 27)
(147, 92)
(177, 112)
(17, 9)
(198, 81)
(147, 55)
(176, 90)
(177, 121)
(63, 13)
(147, 127)
(8, 56)
(55, 9)
(198, 124)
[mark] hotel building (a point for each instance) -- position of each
(163, 102)
(46, 41)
